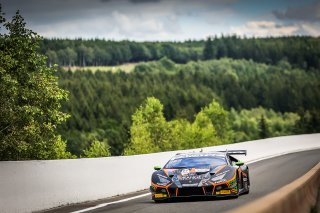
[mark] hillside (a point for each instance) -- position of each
(101, 104)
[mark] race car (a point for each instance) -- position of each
(216, 174)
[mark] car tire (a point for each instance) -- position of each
(238, 185)
(247, 186)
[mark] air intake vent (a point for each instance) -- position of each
(190, 191)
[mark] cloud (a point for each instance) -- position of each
(310, 29)
(116, 25)
(272, 28)
(264, 28)
(145, 25)
(130, 25)
(213, 17)
(309, 13)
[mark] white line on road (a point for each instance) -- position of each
(110, 203)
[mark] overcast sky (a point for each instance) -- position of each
(167, 19)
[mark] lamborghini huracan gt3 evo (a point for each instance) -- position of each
(201, 174)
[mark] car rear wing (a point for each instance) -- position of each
(235, 152)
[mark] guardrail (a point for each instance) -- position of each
(27, 186)
(296, 197)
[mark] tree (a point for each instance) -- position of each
(85, 54)
(52, 57)
(89, 55)
(263, 128)
(309, 122)
(148, 130)
(71, 56)
(101, 56)
(200, 133)
(219, 119)
(62, 56)
(59, 150)
(97, 149)
(167, 64)
(177, 134)
(29, 96)
(209, 51)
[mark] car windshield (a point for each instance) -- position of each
(196, 162)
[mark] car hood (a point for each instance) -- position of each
(193, 177)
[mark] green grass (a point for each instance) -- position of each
(123, 67)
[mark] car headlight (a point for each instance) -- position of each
(218, 178)
(207, 176)
(163, 180)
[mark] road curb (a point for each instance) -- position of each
(298, 196)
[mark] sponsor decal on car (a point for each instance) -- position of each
(224, 172)
(190, 184)
(223, 192)
(202, 170)
(195, 155)
(233, 183)
(234, 190)
(191, 177)
(185, 172)
(160, 195)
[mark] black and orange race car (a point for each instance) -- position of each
(201, 174)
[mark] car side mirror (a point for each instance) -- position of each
(239, 163)
(157, 167)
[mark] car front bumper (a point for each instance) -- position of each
(167, 192)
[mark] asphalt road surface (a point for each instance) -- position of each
(265, 176)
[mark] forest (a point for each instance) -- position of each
(299, 51)
(257, 100)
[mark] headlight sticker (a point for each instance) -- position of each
(162, 176)
(223, 172)
(206, 177)
(218, 177)
(163, 180)
(203, 170)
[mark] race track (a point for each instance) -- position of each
(265, 176)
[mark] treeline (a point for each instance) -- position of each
(98, 52)
(299, 51)
(101, 104)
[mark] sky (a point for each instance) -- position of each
(166, 20)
